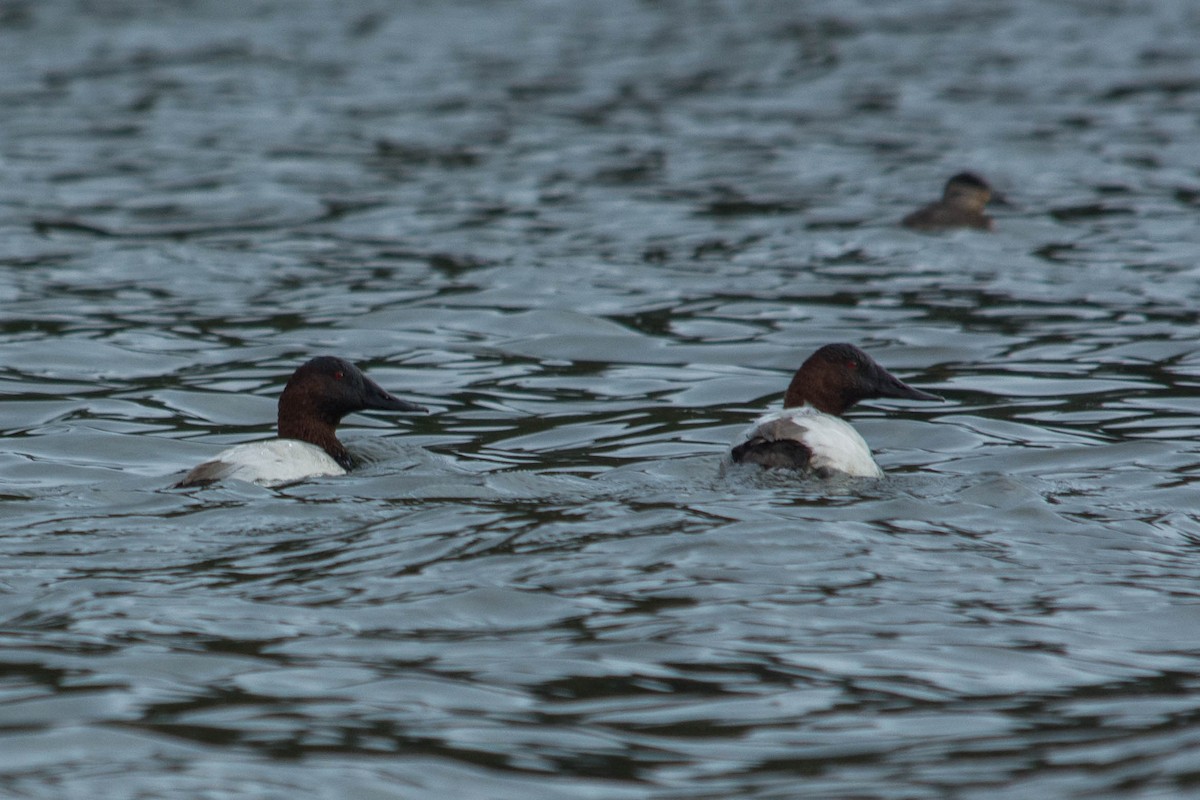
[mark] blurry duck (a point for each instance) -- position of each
(809, 433)
(961, 206)
(317, 396)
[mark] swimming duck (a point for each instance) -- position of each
(809, 433)
(317, 396)
(961, 206)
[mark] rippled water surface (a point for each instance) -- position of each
(595, 239)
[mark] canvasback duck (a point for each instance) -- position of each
(317, 396)
(809, 434)
(961, 206)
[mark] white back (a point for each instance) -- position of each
(834, 443)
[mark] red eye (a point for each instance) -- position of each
(851, 364)
(337, 376)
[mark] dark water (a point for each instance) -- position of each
(595, 238)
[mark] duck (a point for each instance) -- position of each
(809, 434)
(961, 206)
(319, 393)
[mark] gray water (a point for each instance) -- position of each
(595, 239)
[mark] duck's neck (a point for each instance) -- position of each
(314, 428)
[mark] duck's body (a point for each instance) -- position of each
(317, 396)
(806, 439)
(275, 462)
(808, 434)
(963, 200)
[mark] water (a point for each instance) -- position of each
(595, 239)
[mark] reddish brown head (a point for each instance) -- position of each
(837, 376)
(321, 392)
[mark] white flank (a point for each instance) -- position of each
(272, 463)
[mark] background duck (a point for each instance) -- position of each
(961, 206)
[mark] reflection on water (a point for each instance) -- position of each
(596, 240)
